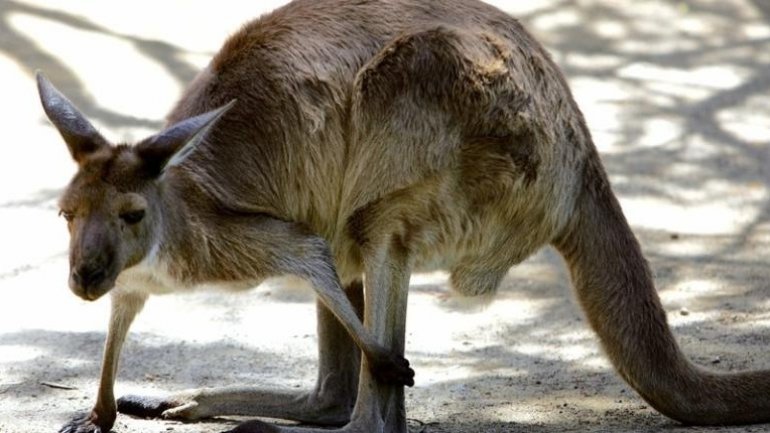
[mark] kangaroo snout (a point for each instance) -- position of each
(90, 280)
(87, 276)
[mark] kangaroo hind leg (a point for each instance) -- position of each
(329, 403)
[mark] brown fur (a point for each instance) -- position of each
(375, 138)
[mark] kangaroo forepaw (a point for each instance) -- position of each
(87, 423)
(392, 369)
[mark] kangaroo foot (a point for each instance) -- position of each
(256, 426)
(309, 407)
(88, 423)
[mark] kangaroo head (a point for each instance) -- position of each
(112, 205)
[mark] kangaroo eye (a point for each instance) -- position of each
(132, 217)
(69, 216)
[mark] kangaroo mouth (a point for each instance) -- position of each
(93, 287)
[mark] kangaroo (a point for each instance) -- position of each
(350, 143)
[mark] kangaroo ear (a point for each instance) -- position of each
(81, 137)
(171, 146)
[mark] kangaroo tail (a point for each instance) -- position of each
(614, 286)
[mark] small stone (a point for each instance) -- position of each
(684, 312)
(716, 360)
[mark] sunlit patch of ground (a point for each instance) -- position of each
(675, 93)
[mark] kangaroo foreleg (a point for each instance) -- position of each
(125, 307)
(380, 406)
(317, 266)
(329, 403)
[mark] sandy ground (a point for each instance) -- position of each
(676, 94)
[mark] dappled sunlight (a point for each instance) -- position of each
(737, 208)
(749, 121)
(675, 95)
(555, 352)
(37, 235)
(669, 116)
(437, 279)
(564, 17)
(41, 300)
(576, 345)
(434, 330)
(605, 109)
(117, 84)
(705, 218)
(659, 131)
(759, 323)
(23, 161)
(596, 61)
(435, 372)
(233, 316)
(169, 19)
(569, 406)
(13, 353)
(690, 289)
(695, 82)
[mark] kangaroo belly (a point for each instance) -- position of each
(474, 223)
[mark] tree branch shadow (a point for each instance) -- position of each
(32, 57)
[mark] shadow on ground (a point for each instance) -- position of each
(676, 95)
(28, 53)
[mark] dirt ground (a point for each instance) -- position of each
(676, 95)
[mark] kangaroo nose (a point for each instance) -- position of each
(85, 276)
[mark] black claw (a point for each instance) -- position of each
(409, 379)
(393, 369)
(143, 407)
